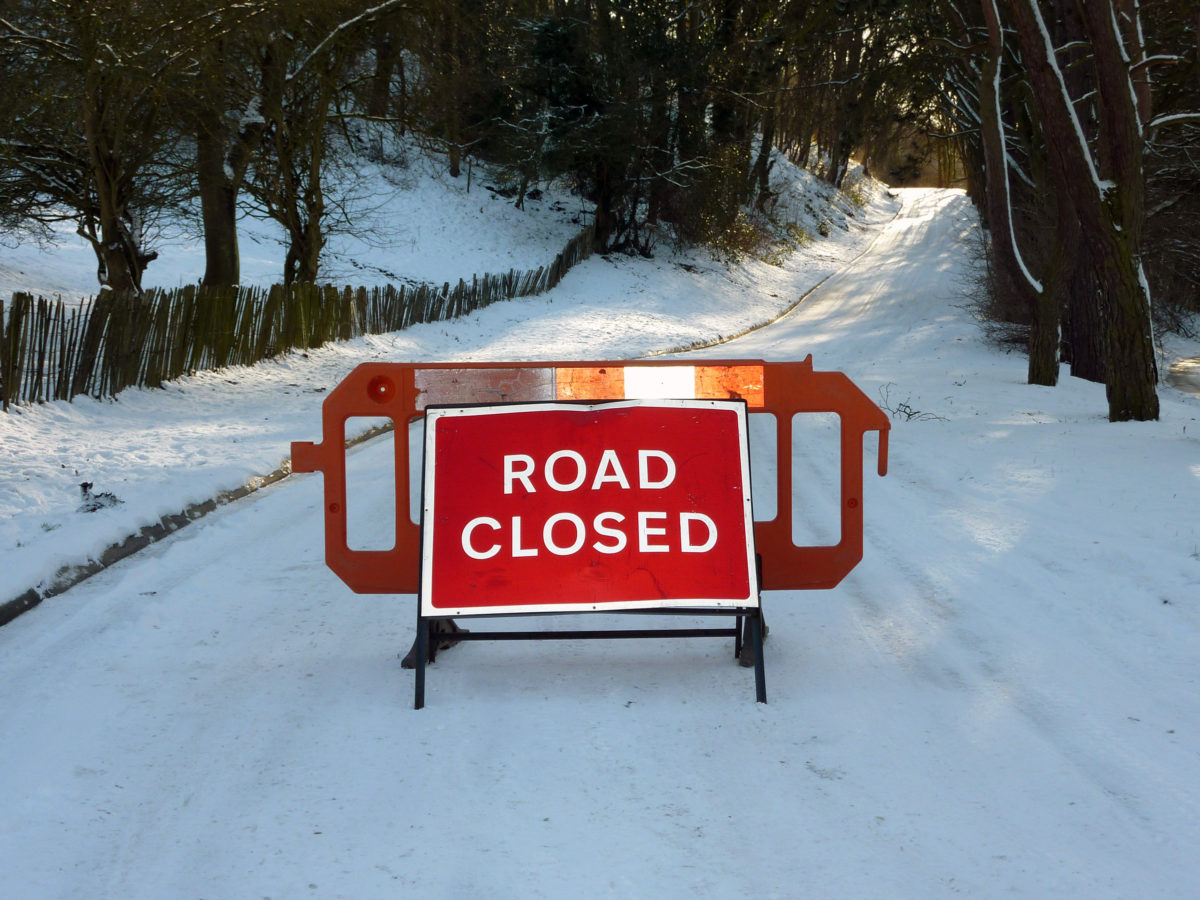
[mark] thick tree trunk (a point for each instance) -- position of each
(1129, 331)
(725, 93)
(1043, 342)
(116, 246)
(113, 269)
(1132, 370)
(218, 207)
(222, 159)
(1046, 320)
(605, 223)
(304, 252)
(1084, 341)
(119, 249)
(1106, 194)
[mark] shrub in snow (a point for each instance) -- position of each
(92, 502)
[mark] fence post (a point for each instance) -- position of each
(10, 350)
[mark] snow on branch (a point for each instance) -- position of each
(1052, 61)
(1004, 163)
(1173, 119)
(1157, 58)
(361, 18)
(55, 48)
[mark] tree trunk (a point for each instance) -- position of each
(387, 57)
(309, 256)
(1129, 331)
(454, 108)
(218, 206)
(1132, 370)
(115, 248)
(304, 253)
(1084, 324)
(1106, 194)
(691, 95)
(725, 94)
(223, 157)
(605, 223)
(1046, 318)
(1012, 274)
(1043, 342)
(845, 124)
(1084, 320)
(661, 153)
(762, 164)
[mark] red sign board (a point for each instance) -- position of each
(549, 507)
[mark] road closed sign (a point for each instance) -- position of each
(553, 507)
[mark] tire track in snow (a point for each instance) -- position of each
(928, 600)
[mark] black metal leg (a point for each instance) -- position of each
(422, 650)
(760, 671)
(748, 635)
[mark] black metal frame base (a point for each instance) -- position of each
(746, 617)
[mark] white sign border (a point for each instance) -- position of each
(433, 413)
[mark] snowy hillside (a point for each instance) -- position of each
(1001, 700)
(413, 223)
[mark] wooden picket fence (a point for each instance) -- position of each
(50, 350)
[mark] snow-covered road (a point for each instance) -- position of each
(1002, 699)
(1184, 374)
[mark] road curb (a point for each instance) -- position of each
(69, 576)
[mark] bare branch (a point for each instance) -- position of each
(362, 18)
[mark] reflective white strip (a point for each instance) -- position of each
(660, 382)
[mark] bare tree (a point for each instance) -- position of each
(222, 108)
(304, 68)
(86, 124)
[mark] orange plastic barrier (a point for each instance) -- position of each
(401, 391)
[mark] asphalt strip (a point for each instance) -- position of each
(69, 576)
(1184, 375)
